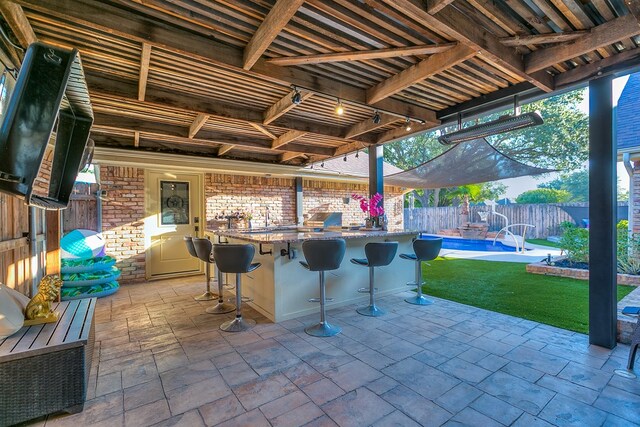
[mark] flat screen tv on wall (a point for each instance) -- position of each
(45, 127)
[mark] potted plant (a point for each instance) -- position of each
(373, 208)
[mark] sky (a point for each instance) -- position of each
(516, 186)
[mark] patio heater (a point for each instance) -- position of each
(503, 124)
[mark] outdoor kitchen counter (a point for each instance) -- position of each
(281, 287)
(291, 236)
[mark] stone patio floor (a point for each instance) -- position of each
(161, 360)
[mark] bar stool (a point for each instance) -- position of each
(378, 254)
(321, 256)
(203, 249)
(236, 259)
(425, 250)
(208, 295)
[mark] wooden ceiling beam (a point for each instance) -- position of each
(536, 39)
(418, 72)
(197, 124)
(629, 59)
(368, 125)
(285, 157)
(401, 133)
(262, 130)
(286, 138)
(117, 124)
(273, 23)
(457, 26)
(427, 49)
(283, 105)
(106, 17)
(122, 90)
(598, 37)
(145, 58)
(18, 22)
(435, 6)
(225, 148)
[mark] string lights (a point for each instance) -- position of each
(339, 108)
(407, 125)
(296, 97)
(376, 117)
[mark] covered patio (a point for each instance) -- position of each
(160, 359)
(233, 101)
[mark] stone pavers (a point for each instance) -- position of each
(161, 360)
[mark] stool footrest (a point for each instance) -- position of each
(246, 299)
(318, 299)
(363, 290)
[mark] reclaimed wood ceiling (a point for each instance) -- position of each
(216, 78)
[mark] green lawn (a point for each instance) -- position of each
(543, 242)
(507, 288)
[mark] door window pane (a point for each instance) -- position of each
(174, 198)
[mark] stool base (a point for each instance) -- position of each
(207, 296)
(323, 330)
(221, 308)
(372, 311)
(419, 300)
(237, 325)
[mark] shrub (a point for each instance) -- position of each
(543, 195)
(575, 242)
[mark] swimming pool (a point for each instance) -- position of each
(472, 244)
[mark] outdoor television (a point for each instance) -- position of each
(49, 94)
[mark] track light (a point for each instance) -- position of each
(376, 117)
(339, 108)
(296, 98)
(345, 158)
(407, 125)
(357, 154)
(322, 164)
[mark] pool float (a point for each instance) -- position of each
(91, 278)
(87, 265)
(82, 244)
(94, 291)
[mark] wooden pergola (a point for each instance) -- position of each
(216, 78)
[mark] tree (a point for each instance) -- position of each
(575, 183)
(560, 143)
(543, 195)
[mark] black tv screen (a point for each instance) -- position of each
(50, 93)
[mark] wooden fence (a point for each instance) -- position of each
(545, 217)
(82, 210)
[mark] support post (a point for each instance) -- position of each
(602, 216)
(53, 241)
(299, 201)
(376, 177)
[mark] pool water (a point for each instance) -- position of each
(472, 244)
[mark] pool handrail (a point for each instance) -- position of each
(508, 232)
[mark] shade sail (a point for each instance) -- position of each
(471, 162)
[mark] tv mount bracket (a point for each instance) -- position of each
(4, 176)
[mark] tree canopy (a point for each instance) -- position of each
(560, 143)
(543, 195)
(575, 183)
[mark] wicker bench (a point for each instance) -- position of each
(45, 368)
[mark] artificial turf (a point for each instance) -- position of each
(507, 288)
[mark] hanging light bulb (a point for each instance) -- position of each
(357, 154)
(296, 97)
(376, 117)
(345, 158)
(322, 164)
(339, 108)
(407, 125)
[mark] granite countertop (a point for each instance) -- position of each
(293, 235)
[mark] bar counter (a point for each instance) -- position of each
(281, 287)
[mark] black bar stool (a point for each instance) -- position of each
(425, 250)
(236, 259)
(208, 295)
(321, 256)
(203, 249)
(378, 254)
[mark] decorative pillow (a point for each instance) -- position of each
(21, 299)
(11, 316)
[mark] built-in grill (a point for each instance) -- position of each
(325, 220)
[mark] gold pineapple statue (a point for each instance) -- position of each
(39, 308)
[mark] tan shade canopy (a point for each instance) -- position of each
(467, 163)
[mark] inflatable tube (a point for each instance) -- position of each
(87, 265)
(82, 244)
(89, 279)
(95, 291)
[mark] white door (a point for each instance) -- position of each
(174, 208)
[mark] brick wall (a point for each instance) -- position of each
(123, 219)
(249, 194)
